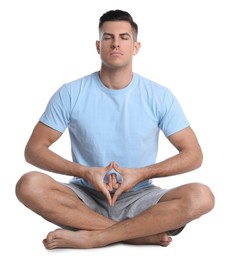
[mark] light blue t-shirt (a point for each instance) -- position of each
(114, 125)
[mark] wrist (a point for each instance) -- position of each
(147, 172)
(81, 171)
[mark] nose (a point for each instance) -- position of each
(115, 45)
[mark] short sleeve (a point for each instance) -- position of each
(172, 117)
(57, 112)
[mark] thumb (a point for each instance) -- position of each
(117, 168)
(109, 167)
(117, 193)
(107, 194)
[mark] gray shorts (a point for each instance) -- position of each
(128, 205)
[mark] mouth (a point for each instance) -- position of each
(116, 53)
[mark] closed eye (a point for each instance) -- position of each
(123, 36)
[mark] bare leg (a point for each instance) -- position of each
(176, 208)
(62, 238)
(59, 204)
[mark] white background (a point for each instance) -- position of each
(47, 43)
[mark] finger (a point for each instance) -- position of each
(109, 167)
(118, 192)
(107, 194)
(115, 182)
(109, 184)
(117, 168)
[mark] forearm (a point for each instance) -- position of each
(48, 160)
(178, 164)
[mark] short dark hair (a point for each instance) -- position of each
(118, 15)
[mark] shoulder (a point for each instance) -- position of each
(82, 81)
(74, 88)
(147, 83)
(151, 88)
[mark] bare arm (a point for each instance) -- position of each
(188, 158)
(37, 152)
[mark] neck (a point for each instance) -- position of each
(116, 78)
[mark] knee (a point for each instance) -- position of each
(27, 184)
(201, 199)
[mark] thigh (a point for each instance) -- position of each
(37, 185)
(181, 192)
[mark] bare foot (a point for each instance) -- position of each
(62, 238)
(160, 239)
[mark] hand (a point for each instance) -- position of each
(113, 183)
(95, 175)
(130, 178)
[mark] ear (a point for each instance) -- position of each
(137, 46)
(97, 46)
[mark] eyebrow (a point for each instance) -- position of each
(121, 34)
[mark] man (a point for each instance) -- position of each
(114, 117)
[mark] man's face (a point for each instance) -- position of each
(117, 44)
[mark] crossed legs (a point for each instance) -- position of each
(59, 204)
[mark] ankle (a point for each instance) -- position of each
(98, 238)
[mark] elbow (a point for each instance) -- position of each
(28, 155)
(194, 160)
(198, 160)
